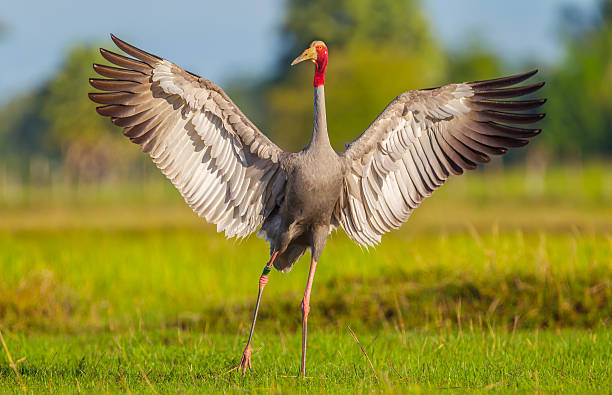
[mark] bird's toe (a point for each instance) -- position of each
(245, 361)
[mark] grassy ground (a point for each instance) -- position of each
(87, 279)
(498, 283)
(477, 359)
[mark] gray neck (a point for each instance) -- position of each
(319, 139)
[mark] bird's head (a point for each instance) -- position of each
(317, 54)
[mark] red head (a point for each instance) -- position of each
(317, 54)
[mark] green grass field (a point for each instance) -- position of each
(476, 359)
(493, 285)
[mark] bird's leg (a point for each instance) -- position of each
(263, 280)
(305, 310)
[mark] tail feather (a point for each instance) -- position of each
(284, 262)
(297, 247)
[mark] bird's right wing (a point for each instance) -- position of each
(225, 168)
(419, 140)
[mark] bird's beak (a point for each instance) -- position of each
(308, 54)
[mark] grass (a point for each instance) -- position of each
(493, 285)
(561, 199)
(477, 359)
(87, 279)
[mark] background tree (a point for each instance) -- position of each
(58, 122)
(579, 120)
(473, 63)
(378, 49)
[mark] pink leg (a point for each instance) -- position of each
(305, 311)
(263, 280)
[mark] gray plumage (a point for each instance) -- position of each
(232, 175)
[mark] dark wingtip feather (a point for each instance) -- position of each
(125, 62)
(117, 40)
(507, 92)
(506, 117)
(101, 98)
(97, 67)
(521, 143)
(503, 81)
(95, 82)
(138, 53)
(100, 110)
(120, 73)
(106, 53)
(504, 105)
(536, 86)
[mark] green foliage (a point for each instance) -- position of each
(357, 89)
(84, 269)
(59, 115)
(70, 114)
(80, 280)
(475, 63)
(23, 128)
(377, 51)
(74, 259)
(59, 123)
(580, 106)
(345, 23)
(90, 145)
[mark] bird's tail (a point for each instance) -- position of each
(284, 262)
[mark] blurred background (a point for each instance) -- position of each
(50, 135)
(89, 228)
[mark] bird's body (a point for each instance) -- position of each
(303, 222)
(234, 176)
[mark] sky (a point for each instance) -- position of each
(222, 39)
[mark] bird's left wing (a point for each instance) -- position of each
(419, 140)
(225, 168)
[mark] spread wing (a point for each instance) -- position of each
(225, 168)
(419, 140)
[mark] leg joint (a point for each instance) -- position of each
(263, 280)
(305, 306)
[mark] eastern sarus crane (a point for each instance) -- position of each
(232, 175)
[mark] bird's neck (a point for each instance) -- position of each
(320, 139)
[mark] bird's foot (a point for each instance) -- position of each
(246, 360)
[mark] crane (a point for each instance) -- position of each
(233, 176)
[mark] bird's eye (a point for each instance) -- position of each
(319, 47)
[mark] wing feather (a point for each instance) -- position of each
(420, 139)
(218, 160)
